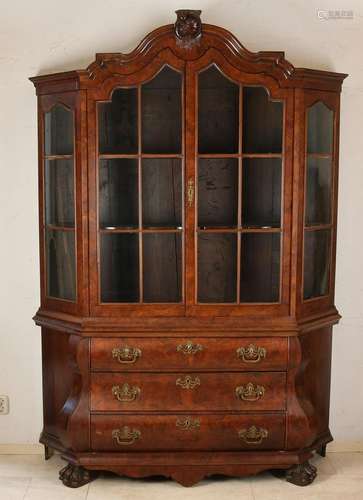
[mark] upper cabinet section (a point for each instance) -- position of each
(188, 177)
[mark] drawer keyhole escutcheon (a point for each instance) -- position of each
(188, 382)
(126, 354)
(251, 353)
(189, 348)
(188, 423)
(126, 393)
(250, 392)
(253, 435)
(125, 436)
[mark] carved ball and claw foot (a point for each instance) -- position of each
(301, 474)
(75, 476)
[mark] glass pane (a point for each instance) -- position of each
(217, 113)
(58, 131)
(217, 192)
(161, 113)
(59, 193)
(161, 192)
(61, 264)
(162, 267)
(217, 267)
(320, 129)
(262, 122)
(119, 267)
(316, 263)
(260, 267)
(118, 195)
(117, 123)
(261, 192)
(318, 191)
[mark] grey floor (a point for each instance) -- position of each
(29, 477)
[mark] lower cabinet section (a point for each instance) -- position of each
(187, 432)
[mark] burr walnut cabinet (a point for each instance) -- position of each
(188, 206)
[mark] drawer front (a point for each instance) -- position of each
(240, 354)
(185, 432)
(188, 392)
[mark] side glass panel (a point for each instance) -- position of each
(140, 192)
(59, 203)
(318, 191)
(318, 200)
(59, 193)
(58, 131)
(316, 263)
(239, 192)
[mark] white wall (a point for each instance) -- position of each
(47, 36)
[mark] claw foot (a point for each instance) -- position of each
(302, 474)
(74, 476)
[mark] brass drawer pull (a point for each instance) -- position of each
(251, 353)
(189, 348)
(126, 354)
(253, 435)
(188, 423)
(188, 382)
(125, 436)
(126, 393)
(250, 392)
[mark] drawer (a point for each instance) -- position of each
(163, 354)
(188, 392)
(185, 432)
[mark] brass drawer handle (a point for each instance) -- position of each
(126, 354)
(189, 348)
(126, 393)
(188, 382)
(125, 436)
(188, 423)
(251, 353)
(250, 392)
(253, 435)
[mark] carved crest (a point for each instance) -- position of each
(188, 27)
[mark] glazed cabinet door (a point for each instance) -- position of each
(137, 215)
(61, 202)
(238, 218)
(318, 117)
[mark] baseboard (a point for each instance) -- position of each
(345, 446)
(38, 449)
(21, 449)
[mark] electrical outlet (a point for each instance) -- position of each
(4, 405)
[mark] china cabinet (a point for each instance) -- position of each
(188, 206)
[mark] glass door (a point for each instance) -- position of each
(140, 193)
(239, 221)
(59, 203)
